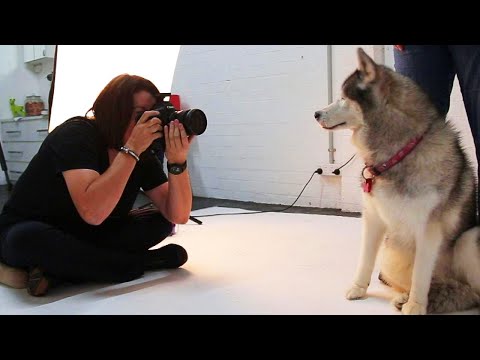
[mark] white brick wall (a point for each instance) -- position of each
(262, 143)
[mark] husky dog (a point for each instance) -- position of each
(419, 192)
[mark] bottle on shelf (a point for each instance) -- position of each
(34, 105)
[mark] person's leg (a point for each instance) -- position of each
(142, 230)
(32, 244)
(467, 65)
(431, 66)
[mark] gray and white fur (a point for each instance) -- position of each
(421, 212)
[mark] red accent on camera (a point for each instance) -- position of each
(175, 101)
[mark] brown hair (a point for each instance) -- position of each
(113, 108)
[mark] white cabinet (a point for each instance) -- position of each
(21, 140)
(38, 52)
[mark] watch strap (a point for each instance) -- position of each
(174, 167)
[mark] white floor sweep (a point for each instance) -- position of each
(269, 263)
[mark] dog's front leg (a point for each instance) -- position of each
(427, 245)
(373, 231)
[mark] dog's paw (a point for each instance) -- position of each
(413, 308)
(400, 300)
(356, 292)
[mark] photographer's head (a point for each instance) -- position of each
(120, 103)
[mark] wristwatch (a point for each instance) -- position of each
(176, 169)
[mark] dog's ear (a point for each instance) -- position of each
(366, 66)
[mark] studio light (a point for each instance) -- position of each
(82, 71)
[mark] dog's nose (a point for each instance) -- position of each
(318, 114)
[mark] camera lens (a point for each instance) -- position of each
(194, 121)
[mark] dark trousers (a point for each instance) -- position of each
(111, 252)
(434, 68)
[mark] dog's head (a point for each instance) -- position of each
(377, 96)
(360, 91)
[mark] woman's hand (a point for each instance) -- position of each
(177, 143)
(145, 131)
(399, 47)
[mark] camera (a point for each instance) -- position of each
(193, 120)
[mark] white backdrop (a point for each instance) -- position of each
(82, 71)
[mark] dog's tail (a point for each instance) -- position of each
(451, 295)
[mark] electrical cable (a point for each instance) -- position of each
(346, 162)
(318, 171)
(337, 170)
(263, 211)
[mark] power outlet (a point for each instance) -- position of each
(328, 169)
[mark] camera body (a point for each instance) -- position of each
(194, 121)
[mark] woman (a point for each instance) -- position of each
(69, 216)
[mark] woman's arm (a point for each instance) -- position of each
(174, 198)
(94, 195)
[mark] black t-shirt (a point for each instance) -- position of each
(41, 192)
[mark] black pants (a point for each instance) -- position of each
(434, 68)
(111, 252)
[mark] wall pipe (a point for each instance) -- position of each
(331, 148)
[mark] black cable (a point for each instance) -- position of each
(337, 170)
(262, 211)
(347, 162)
(193, 218)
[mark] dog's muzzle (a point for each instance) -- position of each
(318, 116)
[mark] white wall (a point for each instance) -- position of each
(262, 143)
(18, 80)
